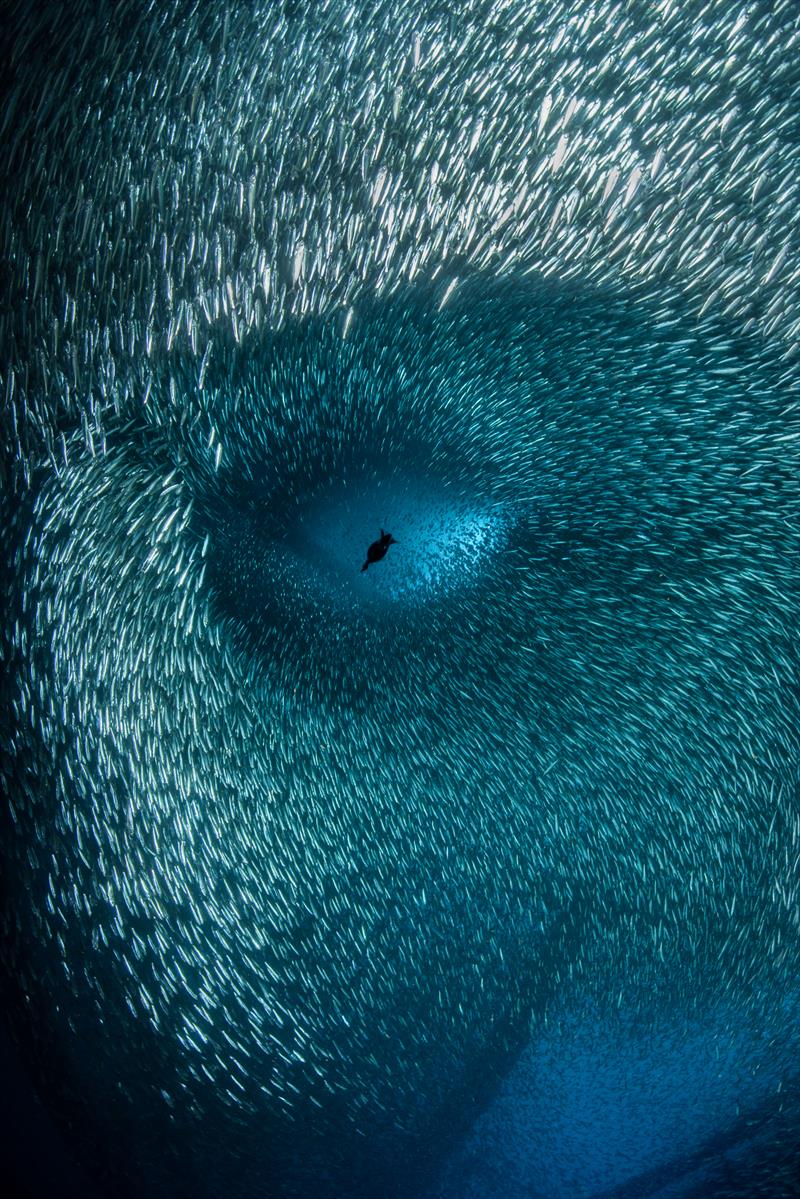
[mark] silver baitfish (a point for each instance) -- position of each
(474, 874)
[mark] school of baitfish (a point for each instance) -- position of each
(322, 883)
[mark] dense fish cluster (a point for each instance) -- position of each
(322, 883)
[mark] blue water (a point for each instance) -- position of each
(600, 1105)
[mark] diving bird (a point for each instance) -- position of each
(379, 549)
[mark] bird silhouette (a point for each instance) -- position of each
(378, 549)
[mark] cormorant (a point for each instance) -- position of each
(378, 548)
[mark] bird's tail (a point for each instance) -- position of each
(364, 567)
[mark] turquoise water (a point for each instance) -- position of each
(473, 874)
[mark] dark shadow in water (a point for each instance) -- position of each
(756, 1155)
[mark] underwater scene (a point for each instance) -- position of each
(400, 543)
